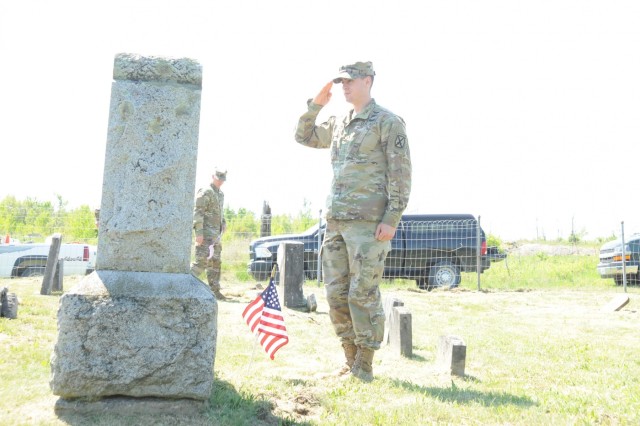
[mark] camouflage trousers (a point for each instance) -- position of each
(353, 263)
(212, 266)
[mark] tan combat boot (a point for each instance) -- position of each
(363, 365)
(350, 351)
(219, 295)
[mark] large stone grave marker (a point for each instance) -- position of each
(141, 325)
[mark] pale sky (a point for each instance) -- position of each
(526, 113)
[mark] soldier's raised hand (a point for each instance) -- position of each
(324, 96)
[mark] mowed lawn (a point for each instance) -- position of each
(534, 357)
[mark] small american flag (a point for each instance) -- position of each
(264, 317)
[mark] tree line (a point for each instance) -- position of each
(31, 220)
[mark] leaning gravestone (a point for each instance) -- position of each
(141, 325)
(52, 263)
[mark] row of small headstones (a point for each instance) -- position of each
(452, 350)
(9, 308)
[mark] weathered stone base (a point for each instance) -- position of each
(128, 406)
(139, 334)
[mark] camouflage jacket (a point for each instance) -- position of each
(208, 214)
(370, 158)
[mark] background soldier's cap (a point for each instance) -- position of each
(353, 71)
(221, 174)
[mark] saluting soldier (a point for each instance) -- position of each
(209, 225)
(369, 192)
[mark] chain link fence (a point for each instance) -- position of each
(428, 251)
(436, 252)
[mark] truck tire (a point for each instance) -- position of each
(444, 274)
(33, 271)
(632, 279)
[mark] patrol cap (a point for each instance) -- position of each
(220, 174)
(353, 71)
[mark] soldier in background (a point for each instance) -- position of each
(209, 225)
(369, 192)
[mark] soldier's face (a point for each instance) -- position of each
(217, 182)
(355, 89)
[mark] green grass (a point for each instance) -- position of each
(540, 271)
(517, 272)
(235, 255)
(539, 351)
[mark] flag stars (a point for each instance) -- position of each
(270, 298)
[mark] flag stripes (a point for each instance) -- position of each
(264, 317)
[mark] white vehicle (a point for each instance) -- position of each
(27, 260)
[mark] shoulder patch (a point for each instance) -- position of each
(401, 141)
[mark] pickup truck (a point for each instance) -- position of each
(433, 249)
(610, 263)
(27, 260)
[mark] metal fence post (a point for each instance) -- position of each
(478, 254)
(624, 259)
(319, 266)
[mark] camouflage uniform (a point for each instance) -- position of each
(371, 185)
(209, 222)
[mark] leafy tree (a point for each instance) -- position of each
(242, 224)
(305, 218)
(25, 218)
(8, 207)
(281, 224)
(79, 225)
(39, 218)
(493, 241)
(33, 220)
